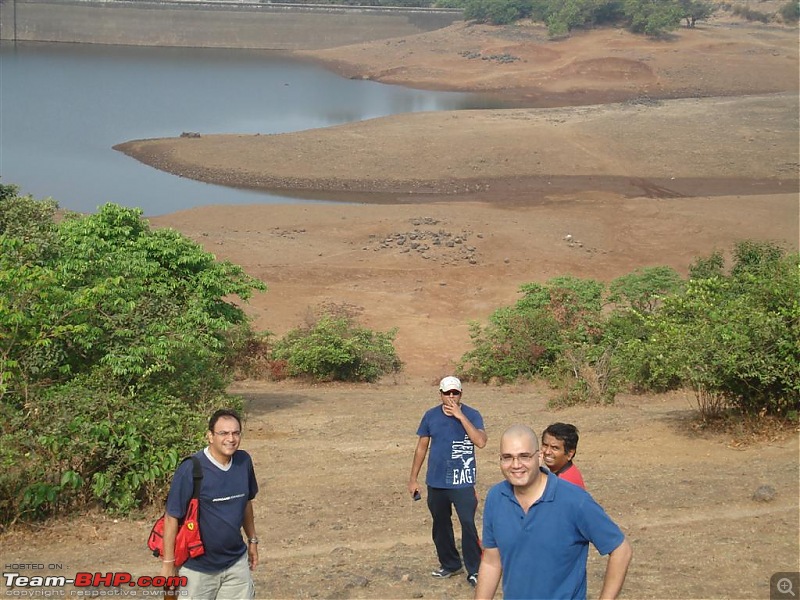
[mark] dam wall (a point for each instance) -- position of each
(212, 23)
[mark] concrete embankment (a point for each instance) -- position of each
(212, 24)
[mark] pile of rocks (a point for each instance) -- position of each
(287, 233)
(438, 245)
(499, 58)
(574, 243)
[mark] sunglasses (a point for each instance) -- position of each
(451, 393)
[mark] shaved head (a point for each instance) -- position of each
(521, 431)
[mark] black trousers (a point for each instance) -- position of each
(441, 503)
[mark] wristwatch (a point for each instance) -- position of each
(252, 540)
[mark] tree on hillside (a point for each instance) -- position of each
(696, 10)
(563, 16)
(790, 12)
(652, 17)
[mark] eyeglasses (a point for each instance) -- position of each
(224, 434)
(524, 457)
(451, 393)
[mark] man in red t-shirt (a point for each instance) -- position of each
(559, 443)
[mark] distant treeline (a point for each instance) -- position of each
(387, 3)
(651, 17)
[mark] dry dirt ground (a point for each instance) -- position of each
(336, 521)
(702, 152)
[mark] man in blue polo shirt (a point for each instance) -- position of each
(452, 430)
(537, 529)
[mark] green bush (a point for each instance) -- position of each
(526, 339)
(586, 374)
(563, 16)
(747, 13)
(89, 445)
(790, 12)
(336, 348)
(696, 10)
(644, 289)
(496, 12)
(733, 337)
(652, 17)
(114, 343)
(516, 343)
(707, 267)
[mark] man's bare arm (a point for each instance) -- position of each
(168, 568)
(419, 457)
(489, 574)
(616, 570)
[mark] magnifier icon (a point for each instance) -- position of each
(785, 586)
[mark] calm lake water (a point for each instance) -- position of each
(63, 107)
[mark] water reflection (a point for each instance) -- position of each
(63, 107)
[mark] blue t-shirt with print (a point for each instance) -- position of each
(224, 495)
(451, 457)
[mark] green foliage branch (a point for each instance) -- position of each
(100, 310)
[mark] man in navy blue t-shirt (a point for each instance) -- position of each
(225, 508)
(451, 430)
(537, 529)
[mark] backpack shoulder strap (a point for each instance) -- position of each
(197, 475)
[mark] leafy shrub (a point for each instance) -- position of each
(563, 16)
(29, 223)
(516, 343)
(696, 10)
(652, 17)
(412, 3)
(526, 339)
(733, 337)
(250, 354)
(114, 342)
(708, 266)
(585, 376)
(90, 445)
(790, 12)
(336, 348)
(644, 289)
(747, 13)
(496, 12)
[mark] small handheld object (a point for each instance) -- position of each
(417, 495)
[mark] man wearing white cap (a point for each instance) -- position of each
(451, 430)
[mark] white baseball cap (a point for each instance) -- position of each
(450, 383)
